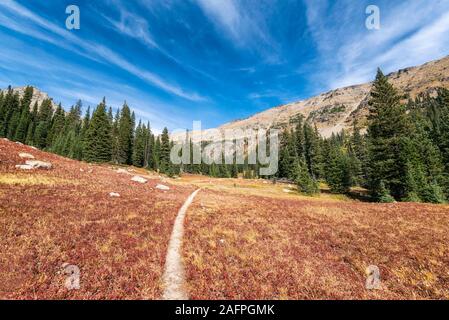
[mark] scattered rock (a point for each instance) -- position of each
(34, 148)
(19, 143)
(139, 179)
(39, 164)
(121, 171)
(24, 167)
(162, 187)
(287, 191)
(114, 195)
(81, 170)
(25, 155)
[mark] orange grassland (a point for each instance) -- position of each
(253, 240)
(65, 215)
(244, 239)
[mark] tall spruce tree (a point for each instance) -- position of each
(165, 163)
(43, 126)
(97, 143)
(125, 136)
(388, 132)
(138, 156)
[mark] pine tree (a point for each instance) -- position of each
(24, 120)
(299, 137)
(149, 147)
(115, 137)
(339, 175)
(388, 130)
(97, 143)
(165, 162)
(22, 128)
(57, 126)
(6, 111)
(32, 126)
(43, 124)
(306, 184)
(312, 151)
(287, 155)
(359, 155)
(125, 136)
(157, 154)
(138, 156)
(12, 116)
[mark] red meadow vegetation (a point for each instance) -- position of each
(255, 247)
(66, 215)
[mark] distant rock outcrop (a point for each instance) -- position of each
(38, 96)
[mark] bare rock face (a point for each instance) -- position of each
(139, 179)
(35, 164)
(38, 96)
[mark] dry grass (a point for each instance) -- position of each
(32, 179)
(254, 247)
(256, 187)
(66, 215)
(245, 239)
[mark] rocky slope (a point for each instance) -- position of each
(38, 95)
(337, 109)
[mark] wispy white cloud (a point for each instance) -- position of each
(349, 53)
(136, 26)
(92, 50)
(246, 28)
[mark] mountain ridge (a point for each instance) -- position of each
(337, 109)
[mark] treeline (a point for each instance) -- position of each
(97, 137)
(404, 156)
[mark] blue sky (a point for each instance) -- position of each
(176, 61)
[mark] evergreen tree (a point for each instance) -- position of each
(115, 137)
(57, 126)
(32, 126)
(138, 156)
(24, 120)
(306, 184)
(157, 154)
(97, 143)
(165, 163)
(44, 118)
(312, 151)
(388, 130)
(125, 136)
(339, 174)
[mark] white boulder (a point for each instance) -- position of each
(25, 155)
(39, 164)
(114, 195)
(139, 179)
(24, 167)
(162, 187)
